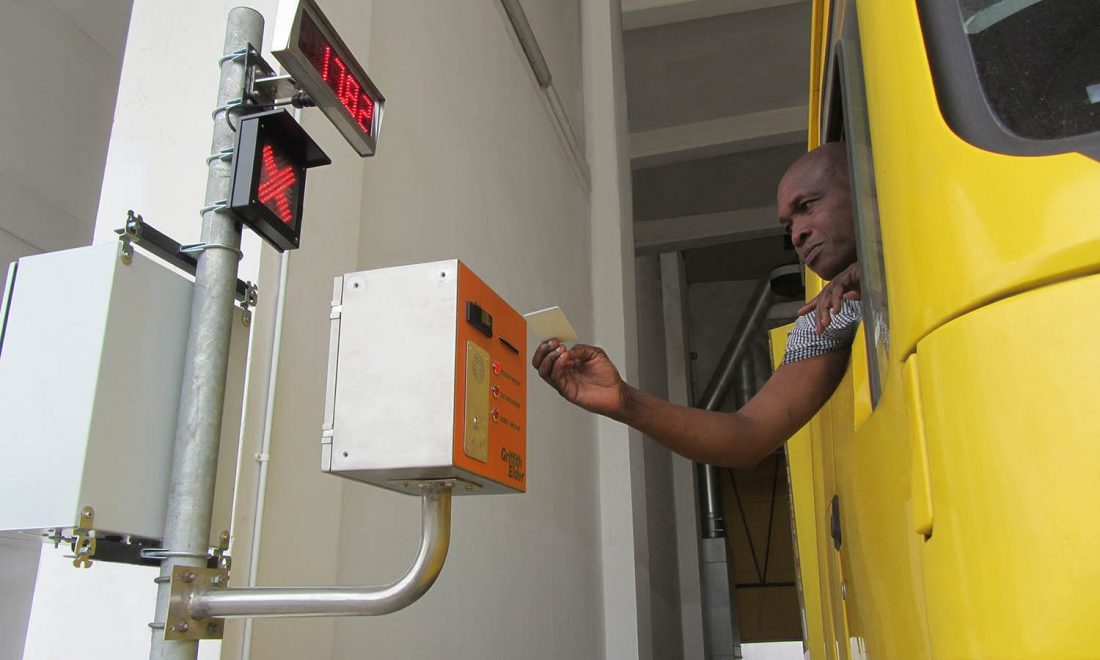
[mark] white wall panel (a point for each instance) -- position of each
(469, 166)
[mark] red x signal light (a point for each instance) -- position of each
(269, 176)
(278, 185)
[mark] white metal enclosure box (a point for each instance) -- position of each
(426, 380)
(91, 361)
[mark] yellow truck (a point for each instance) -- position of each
(946, 499)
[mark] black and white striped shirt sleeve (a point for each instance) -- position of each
(803, 341)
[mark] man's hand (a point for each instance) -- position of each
(583, 375)
(846, 285)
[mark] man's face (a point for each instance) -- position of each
(815, 208)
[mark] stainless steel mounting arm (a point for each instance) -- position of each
(345, 601)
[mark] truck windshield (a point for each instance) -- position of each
(981, 14)
(1038, 63)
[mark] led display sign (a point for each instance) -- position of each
(269, 176)
(315, 55)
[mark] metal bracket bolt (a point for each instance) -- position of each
(84, 538)
(225, 562)
(125, 250)
(130, 232)
(251, 299)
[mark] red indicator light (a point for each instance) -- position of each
(496, 367)
(496, 391)
(277, 189)
(496, 415)
(334, 71)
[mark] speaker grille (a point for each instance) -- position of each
(478, 368)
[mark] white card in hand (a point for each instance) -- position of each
(550, 323)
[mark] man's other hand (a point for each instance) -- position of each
(582, 374)
(846, 285)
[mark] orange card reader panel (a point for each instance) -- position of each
(426, 380)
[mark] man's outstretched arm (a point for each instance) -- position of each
(585, 376)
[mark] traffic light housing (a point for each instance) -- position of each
(269, 176)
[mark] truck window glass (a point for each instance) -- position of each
(865, 203)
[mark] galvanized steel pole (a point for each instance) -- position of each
(195, 457)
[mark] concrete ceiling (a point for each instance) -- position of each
(105, 22)
(709, 185)
(717, 94)
(717, 67)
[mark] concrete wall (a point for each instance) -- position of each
(557, 26)
(471, 164)
(472, 168)
(60, 67)
(300, 508)
(18, 568)
(664, 574)
(59, 62)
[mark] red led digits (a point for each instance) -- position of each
(333, 70)
(276, 184)
(347, 88)
(350, 94)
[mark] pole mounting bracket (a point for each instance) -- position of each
(186, 580)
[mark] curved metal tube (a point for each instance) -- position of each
(346, 601)
(725, 375)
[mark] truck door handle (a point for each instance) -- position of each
(835, 516)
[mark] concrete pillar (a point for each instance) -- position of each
(624, 548)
